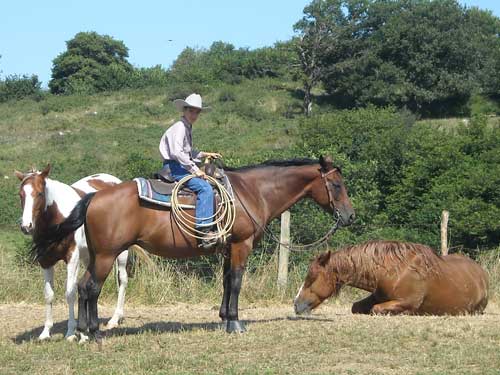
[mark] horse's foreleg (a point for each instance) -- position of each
(393, 307)
(71, 285)
(364, 306)
(239, 255)
(226, 282)
(102, 266)
(48, 291)
(121, 262)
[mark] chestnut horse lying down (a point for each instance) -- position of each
(402, 277)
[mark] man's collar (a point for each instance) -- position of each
(186, 122)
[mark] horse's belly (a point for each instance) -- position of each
(450, 300)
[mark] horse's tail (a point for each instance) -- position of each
(137, 256)
(47, 239)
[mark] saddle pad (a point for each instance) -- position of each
(147, 193)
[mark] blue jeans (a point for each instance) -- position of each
(203, 190)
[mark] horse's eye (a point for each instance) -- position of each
(40, 194)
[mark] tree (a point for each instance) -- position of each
(91, 63)
(427, 55)
(316, 39)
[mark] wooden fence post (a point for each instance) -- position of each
(444, 232)
(284, 250)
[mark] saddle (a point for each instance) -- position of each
(159, 189)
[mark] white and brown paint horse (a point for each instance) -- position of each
(47, 202)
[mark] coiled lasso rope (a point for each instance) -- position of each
(223, 218)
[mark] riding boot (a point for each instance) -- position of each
(209, 238)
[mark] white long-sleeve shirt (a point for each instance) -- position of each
(177, 144)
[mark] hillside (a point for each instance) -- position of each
(82, 135)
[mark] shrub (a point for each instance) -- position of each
(16, 87)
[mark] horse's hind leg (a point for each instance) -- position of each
(102, 266)
(121, 263)
(393, 307)
(364, 306)
(48, 291)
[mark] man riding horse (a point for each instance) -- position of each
(176, 149)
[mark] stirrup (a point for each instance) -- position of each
(209, 240)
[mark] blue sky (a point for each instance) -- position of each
(34, 32)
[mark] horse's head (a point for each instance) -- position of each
(32, 195)
(321, 282)
(329, 191)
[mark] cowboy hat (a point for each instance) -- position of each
(193, 100)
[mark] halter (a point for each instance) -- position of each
(327, 185)
(28, 175)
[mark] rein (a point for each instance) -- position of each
(306, 247)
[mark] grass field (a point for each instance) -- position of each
(172, 327)
(188, 339)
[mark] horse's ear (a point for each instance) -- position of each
(326, 162)
(46, 171)
(324, 258)
(19, 175)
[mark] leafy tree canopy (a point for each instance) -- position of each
(91, 63)
(427, 55)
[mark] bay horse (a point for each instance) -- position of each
(115, 218)
(45, 202)
(402, 277)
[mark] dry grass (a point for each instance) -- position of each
(185, 338)
(172, 326)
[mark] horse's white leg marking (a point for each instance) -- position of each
(48, 290)
(71, 282)
(121, 263)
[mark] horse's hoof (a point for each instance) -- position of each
(112, 324)
(235, 326)
(71, 338)
(82, 337)
(44, 336)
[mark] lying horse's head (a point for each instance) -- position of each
(321, 282)
(330, 192)
(32, 195)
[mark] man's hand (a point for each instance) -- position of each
(199, 173)
(214, 155)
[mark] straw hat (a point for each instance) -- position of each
(193, 100)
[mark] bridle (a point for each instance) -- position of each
(327, 185)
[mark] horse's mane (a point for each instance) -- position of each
(276, 163)
(390, 255)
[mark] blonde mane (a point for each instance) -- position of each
(392, 256)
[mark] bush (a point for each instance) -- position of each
(136, 165)
(155, 76)
(16, 87)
